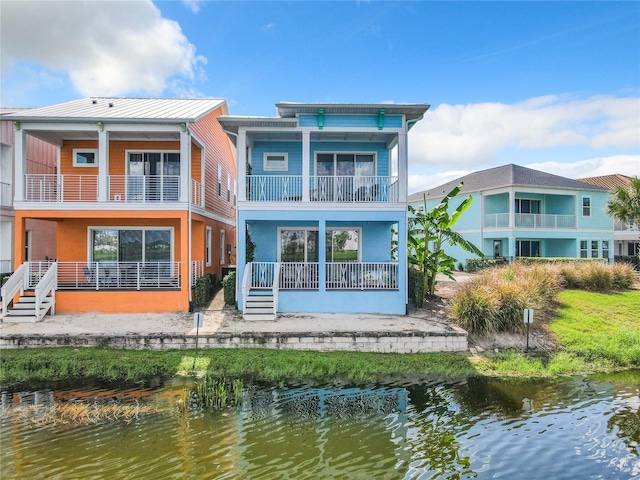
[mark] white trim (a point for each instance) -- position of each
(519, 200)
(91, 228)
(276, 168)
(222, 245)
(580, 240)
(76, 151)
(208, 244)
(582, 198)
(127, 153)
(335, 160)
(337, 229)
(296, 227)
(323, 206)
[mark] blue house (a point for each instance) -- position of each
(321, 190)
(521, 212)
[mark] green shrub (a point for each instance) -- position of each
(475, 309)
(555, 260)
(417, 286)
(229, 286)
(597, 277)
(632, 260)
(623, 276)
(477, 264)
(205, 289)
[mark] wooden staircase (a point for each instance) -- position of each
(259, 305)
(25, 309)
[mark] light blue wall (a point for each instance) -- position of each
(293, 149)
(496, 203)
(368, 121)
(390, 302)
(559, 247)
(379, 148)
(599, 218)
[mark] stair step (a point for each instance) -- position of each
(259, 298)
(30, 306)
(251, 304)
(259, 310)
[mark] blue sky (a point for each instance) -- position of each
(549, 85)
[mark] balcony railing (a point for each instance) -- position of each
(362, 276)
(299, 276)
(122, 189)
(530, 220)
(6, 194)
(619, 226)
(341, 189)
(119, 275)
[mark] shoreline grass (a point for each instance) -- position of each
(595, 333)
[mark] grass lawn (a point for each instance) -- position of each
(595, 332)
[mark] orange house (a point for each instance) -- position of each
(143, 201)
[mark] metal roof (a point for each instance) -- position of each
(610, 182)
(232, 123)
(501, 177)
(412, 111)
(123, 109)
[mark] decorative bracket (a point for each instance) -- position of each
(183, 127)
(16, 125)
(381, 119)
(321, 118)
(101, 126)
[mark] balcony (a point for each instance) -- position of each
(129, 189)
(625, 227)
(530, 220)
(118, 275)
(339, 189)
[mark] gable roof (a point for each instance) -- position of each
(178, 110)
(504, 176)
(610, 182)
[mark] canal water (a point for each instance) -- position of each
(409, 428)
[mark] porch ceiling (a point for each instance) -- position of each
(325, 136)
(56, 137)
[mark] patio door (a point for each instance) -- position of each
(298, 253)
(345, 176)
(153, 176)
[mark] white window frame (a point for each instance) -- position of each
(518, 205)
(293, 227)
(219, 180)
(77, 151)
(584, 250)
(583, 206)
(608, 249)
(267, 167)
(335, 160)
(228, 187)
(597, 249)
(208, 253)
(92, 228)
(222, 246)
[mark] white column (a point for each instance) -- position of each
(20, 164)
(402, 167)
(306, 164)
(103, 165)
(512, 208)
(242, 164)
(322, 255)
(185, 166)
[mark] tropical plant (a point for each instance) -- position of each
(429, 230)
(624, 204)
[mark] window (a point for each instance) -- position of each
(221, 247)
(153, 176)
(219, 180)
(298, 245)
(235, 189)
(228, 187)
(527, 248)
(586, 206)
(605, 248)
(27, 246)
(527, 206)
(85, 157)
(343, 245)
(583, 249)
(275, 162)
(345, 164)
(594, 248)
(207, 246)
(131, 244)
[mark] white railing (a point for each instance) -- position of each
(619, 226)
(496, 220)
(262, 274)
(47, 284)
(61, 188)
(6, 194)
(354, 189)
(274, 188)
(531, 220)
(6, 266)
(197, 193)
(35, 271)
(144, 188)
(362, 276)
(15, 284)
(299, 276)
(197, 270)
(118, 275)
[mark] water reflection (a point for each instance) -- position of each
(417, 428)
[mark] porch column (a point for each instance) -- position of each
(241, 264)
(103, 164)
(403, 272)
(20, 163)
(512, 247)
(306, 164)
(322, 255)
(402, 167)
(512, 208)
(185, 165)
(242, 166)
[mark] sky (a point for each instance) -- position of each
(553, 86)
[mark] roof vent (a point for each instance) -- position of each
(110, 105)
(94, 101)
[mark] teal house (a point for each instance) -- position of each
(321, 190)
(521, 212)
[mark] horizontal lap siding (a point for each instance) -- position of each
(359, 121)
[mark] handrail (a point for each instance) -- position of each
(47, 284)
(276, 287)
(246, 283)
(12, 285)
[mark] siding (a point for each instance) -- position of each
(359, 121)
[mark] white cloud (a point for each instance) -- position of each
(624, 164)
(193, 5)
(107, 48)
(467, 135)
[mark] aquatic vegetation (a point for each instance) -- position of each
(216, 393)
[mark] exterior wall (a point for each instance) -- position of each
(496, 203)
(368, 121)
(599, 218)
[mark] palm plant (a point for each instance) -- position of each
(428, 232)
(624, 204)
